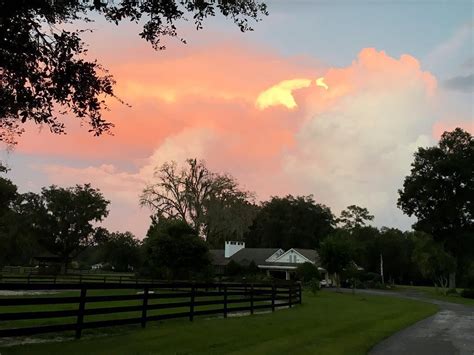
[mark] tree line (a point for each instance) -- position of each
(194, 209)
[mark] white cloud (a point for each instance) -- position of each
(359, 150)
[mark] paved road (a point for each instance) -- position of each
(450, 331)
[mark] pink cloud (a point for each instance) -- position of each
(349, 144)
(449, 125)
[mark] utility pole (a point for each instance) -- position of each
(381, 268)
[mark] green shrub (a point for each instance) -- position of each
(468, 293)
(306, 272)
(452, 291)
(314, 285)
(233, 269)
(252, 269)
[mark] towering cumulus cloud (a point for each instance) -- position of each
(346, 135)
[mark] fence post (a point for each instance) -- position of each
(105, 278)
(80, 313)
(273, 297)
(300, 294)
(290, 294)
(225, 301)
(191, 307)
(120, 280)
(145, 306)
(251, 299)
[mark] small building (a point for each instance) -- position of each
(49, 263)
(274, 261)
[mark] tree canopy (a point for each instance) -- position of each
(290, 222)
(174, 250)
(439, 192)
(44, 71)
(211, 203)
(337, 253)
(64, 219)
(434, 262)
(354, 217)
(120, 250)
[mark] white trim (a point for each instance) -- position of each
(281, 267)
(281, 251)
(296, 252)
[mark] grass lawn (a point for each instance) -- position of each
(328, 323)
(431, 292)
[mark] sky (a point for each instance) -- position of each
(329, 98)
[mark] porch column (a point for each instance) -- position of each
(287, 275)
(268, 272)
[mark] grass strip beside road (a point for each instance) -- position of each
(432, 292)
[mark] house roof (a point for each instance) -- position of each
(257, 255)
(310, 254)
(218, 258)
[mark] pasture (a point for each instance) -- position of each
(328, 323)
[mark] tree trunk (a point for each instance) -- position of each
(65, 262)
(452, 280)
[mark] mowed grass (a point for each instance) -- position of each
(433, 293)
(328, 323)
(107, 316)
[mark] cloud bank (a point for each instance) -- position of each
(264, 119)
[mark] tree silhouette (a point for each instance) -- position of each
(440, 192)
(43, 70)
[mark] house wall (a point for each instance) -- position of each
(232, 247)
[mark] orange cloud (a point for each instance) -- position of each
(228, 104)
(215, 87)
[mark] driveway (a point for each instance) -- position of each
(450, 331)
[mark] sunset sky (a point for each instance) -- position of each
(396, 74)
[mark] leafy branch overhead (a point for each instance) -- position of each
(44, 72)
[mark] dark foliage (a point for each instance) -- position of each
(468, 293)
(307, 272)
(44, 72)
(290, 222)
(174, 250)
(233, 269)
(337, 252)
(120, 250)
(439, 192)
(63, 220)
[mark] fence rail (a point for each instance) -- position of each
(186, 298)
(70, 278)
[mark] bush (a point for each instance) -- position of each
(306, 272)
(233, 269)
(468, 293)
(452, 291)
(252, 269)
(314, 286)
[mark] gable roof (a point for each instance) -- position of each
(257, 255)
(310, 254)
(275, 255)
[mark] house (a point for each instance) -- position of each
(274, 261)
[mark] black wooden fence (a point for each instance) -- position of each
(71, 278)
(152, 303)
